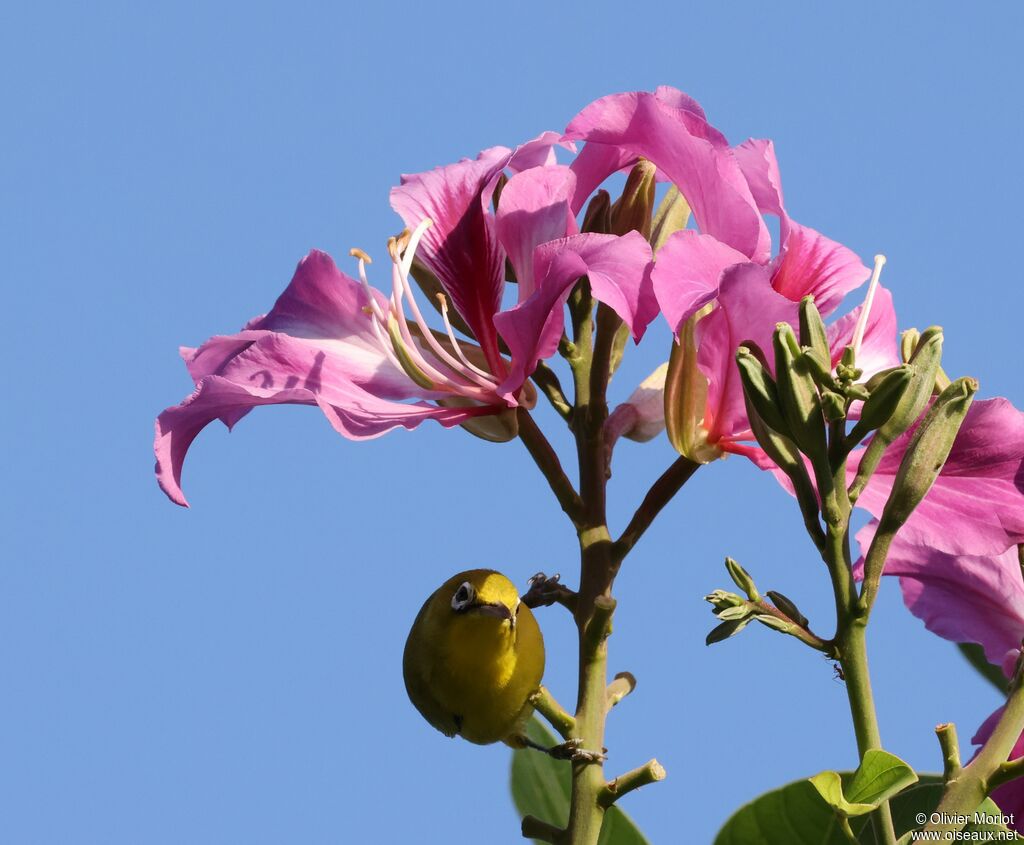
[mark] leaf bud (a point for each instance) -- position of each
(742, 579)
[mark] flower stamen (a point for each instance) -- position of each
(862, 320)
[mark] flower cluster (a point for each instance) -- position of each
(372, 362)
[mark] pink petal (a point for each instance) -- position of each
(668, 131)
(963, 598)
(534, 208)
(279, 369)
(879, 348)
(747, 309)
(811, 264)
(686, 273)
(461, 247)
(539, 152)
(618, 271)
(756, 158)
(976, 506)
(1009, 798)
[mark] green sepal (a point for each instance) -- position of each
(686, 392)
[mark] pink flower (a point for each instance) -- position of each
(957, 556)
(727, 265)
(371, 362)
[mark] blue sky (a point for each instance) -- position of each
(232, 673)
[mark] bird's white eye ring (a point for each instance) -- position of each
(463, 596)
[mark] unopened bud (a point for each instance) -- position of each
(821, 374)
(672, 215)
(882, 402)
(642, 416)
(741, 578)
(720, 600)
(597, 217)
(813, 336)
(923, 363)
(633, 209)
(798, 397)
(760, 390)
(927, 452)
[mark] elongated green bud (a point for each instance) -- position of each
(760, 389)
(633, 209)
(597, 217)
(742, 579)
(788, 607)
(927, 452)
(798, 397)
(673, 214)
(882, 403)
(813, 336)
(878, 378)
(924, 363)
(821, 374)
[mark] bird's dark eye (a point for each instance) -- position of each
(463, 596)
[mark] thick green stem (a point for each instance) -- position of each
(986, 771)
(853, 657)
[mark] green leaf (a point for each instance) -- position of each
(541, 786)
(830, 787)
(975, 655)
(797, 815)
(879, 776)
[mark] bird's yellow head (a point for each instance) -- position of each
(482, 593)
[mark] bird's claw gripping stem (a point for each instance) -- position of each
(573, 751)
(545, 591)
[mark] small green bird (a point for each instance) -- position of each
(474, 658)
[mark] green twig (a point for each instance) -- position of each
(547, 461)
(650, 772)
(660, 494)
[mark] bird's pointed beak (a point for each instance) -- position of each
(499, 611)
